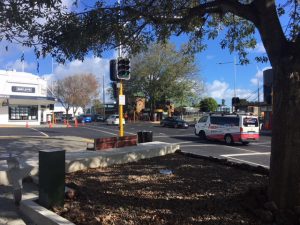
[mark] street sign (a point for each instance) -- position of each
(121, 99)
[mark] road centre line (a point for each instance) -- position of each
(199, 145)
(184, 142)
(246, 154)
(183, 135)
(39, 132)
(109, 129)
(248, 162)
(100, 131)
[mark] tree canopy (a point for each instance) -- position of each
(162, 74)
(76, 91)
(208, 105)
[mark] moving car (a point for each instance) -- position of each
(114, 120)
(174, 122)
(229, 128)
(84, 119)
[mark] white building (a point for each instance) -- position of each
(23, 99)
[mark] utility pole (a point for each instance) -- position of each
(103, 87)
(121, 131)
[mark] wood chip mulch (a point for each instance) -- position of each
(197, 191)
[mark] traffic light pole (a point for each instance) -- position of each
(121, 131)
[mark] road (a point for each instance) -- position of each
(255, 153)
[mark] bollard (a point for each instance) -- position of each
(51, 178)
(145, 136)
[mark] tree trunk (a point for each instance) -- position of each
(284, 186)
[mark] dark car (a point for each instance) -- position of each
(98, 118)
(84, 119)
(174, 122)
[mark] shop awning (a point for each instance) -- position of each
(30, 100)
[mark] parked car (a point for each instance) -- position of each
(98, 118)
(114, 120)
(175, 122)
(69, 117)
(84, 118)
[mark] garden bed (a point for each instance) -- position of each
(171, 189)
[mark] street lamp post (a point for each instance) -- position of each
(234, 80)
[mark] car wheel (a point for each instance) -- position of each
(245, 142)
(175, 125)
(228, 139)
(202, 135)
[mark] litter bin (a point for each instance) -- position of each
(145, 136)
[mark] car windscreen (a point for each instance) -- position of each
(250, 122)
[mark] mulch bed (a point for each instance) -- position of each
(198, 191)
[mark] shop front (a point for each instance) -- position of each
(23, 99)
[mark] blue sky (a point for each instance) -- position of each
(219, 78)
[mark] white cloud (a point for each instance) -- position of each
(94, 65)
(258, 77)
(217, 89)
(20, 66)
(220, 90)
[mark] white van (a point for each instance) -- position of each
(231, 128)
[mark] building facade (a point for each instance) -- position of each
(23, 99)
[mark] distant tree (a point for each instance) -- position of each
(208, 105)
(76, 91)
(162, 73)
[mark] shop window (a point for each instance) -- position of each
(23, 112)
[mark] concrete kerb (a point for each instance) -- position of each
(92, 159)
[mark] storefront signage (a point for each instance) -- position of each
(23, 89)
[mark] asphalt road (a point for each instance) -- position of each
(255, 153)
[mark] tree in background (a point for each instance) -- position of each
(208, 105)
(162, 73)
(76, 91)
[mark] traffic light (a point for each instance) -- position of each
(235, 101)
(123, 69)
(113, 70)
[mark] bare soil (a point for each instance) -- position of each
(198, 191)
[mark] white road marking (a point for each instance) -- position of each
(248, 162)
(212, 145)
(170, 136)
(100, 131)
(261, 143)
(106, 128)
(246, 154)
(40, 132)
(184, 142)
(200, 145)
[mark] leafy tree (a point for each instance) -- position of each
(22, 21)
(208, 105)
(76, 91)
(136, 23)
(161, 73)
